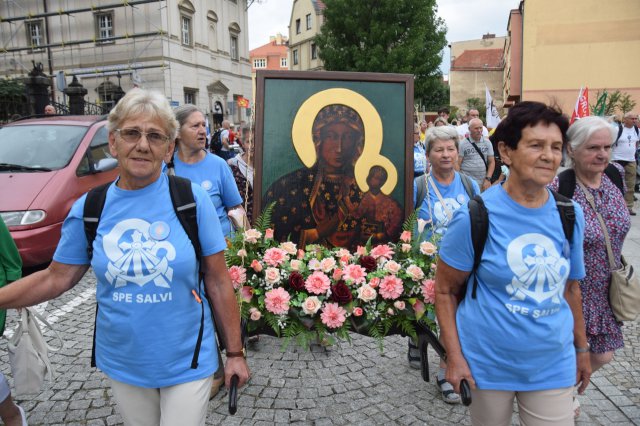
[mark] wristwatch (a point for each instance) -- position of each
(487, 178)
(242, 353)
(583, 350)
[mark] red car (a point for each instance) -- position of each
(45, 165)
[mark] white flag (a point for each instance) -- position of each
(493, 118)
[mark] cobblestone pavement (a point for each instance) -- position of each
(351, 384)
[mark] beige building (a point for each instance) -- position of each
(474, 64)
(193, 51)
(574, 43)
(306, 20)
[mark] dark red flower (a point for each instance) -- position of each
(340, 293)
(368, 263)
(296, 281)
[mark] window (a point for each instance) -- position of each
(260, 63)
(295, 57)
(309, 21)
(104, 26)
(234, 47)
(190, 96)
(186, 30)
(34, 33)
(314, 51)
(283, 62)
(297, 26)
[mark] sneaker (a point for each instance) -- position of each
(448, 394)
(632, 213)
(413, 356)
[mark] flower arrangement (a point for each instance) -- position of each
(313, 293)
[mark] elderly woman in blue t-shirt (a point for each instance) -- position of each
(148, 290)
(521, 334)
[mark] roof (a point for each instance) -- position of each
(269, 49)
(319, 6)
(480, 59)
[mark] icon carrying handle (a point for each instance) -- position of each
(233, 394)
(465, 392)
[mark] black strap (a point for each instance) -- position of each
(615, 176)
(567, 180)
(92, 211)
(479, 217)
(468, 185)
(484, 160)
(420, 183)
(567, 214)
(621, 127)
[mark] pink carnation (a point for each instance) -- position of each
(317, 283)
(429, 291)
(390, 287)
(277, 301)
(361, 251)
(268, 234)
(275, 256)
(337, 274)
(382, 251)
(238, 276)
(405, 237)
(333, 316)
(354, 273)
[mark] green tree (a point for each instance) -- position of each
(437, 98)
(616, 102)
(626, 104)
(393, 36)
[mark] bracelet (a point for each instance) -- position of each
(487, 178)
(237, 354)
(583, 350)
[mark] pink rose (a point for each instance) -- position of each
(268, 234)
(238, 276)
(392, 267)
(357, 312)
(289, 247)
(311, 305)
(317, 283)
(390, 311)
(427, 248)
(361, 251)
(296, 265)
(405, 237)
(275, 256)
(333, 316)
(367, 293)
(255, 314)
(354, 273)
(256, 266)
(406, 248)
(242, 253)
(337, 274)
(343, 252)
(277, 301)
(382, 251)
(327, 264)
(399, 305)
(272, 275)
(300, 254)
(246, 293)
(374, 282)
(415, 272)
(391, 287)
(429, 291)
(314, 265)
(252, 235)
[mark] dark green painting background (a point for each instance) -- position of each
(282, 100)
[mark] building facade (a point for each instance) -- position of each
(271, 56)
(193, 51)
(512, 77)
(305, 23)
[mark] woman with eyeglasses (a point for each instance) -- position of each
(149, 291)
(192, 161)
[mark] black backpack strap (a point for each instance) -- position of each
(93, 205)
(567, 214)
(484, 160)
(479, 218)
(468, 186)
(614, 175)
(421, 184)
(619, 134)
(567, 182)
(184, 204)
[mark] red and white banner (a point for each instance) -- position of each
(582, 105)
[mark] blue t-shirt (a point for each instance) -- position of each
(419, 159)
(454, 196)
(517, 334)
(214, 175)
(148, 321)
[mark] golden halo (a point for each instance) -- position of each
(302, 137)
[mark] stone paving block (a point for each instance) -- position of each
(284, 404)
(264, 414)
(99, 412)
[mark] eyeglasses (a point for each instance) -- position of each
(133, 136)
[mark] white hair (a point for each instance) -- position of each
(582, 130)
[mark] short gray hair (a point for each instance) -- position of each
(440, 120)
(443, 133)
(150, 103)
(582, 130)
(183, 112)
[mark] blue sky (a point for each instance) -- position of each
(465, 19)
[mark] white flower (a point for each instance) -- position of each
(367, 293)
(311, 305)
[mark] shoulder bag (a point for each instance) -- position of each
(624, 289)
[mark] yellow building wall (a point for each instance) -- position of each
(572, 43)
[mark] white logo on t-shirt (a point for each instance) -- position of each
(442, 221)
(540, 271)
(134, 257)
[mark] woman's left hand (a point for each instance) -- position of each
(239, 367)
(583, 371)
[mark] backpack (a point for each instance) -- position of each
(215, 145)
(567, 180)
(184, 206)
(421, 182)
(479, 217)
(620, 128)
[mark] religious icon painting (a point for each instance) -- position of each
(334, 155)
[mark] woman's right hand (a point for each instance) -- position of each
(458, 369)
